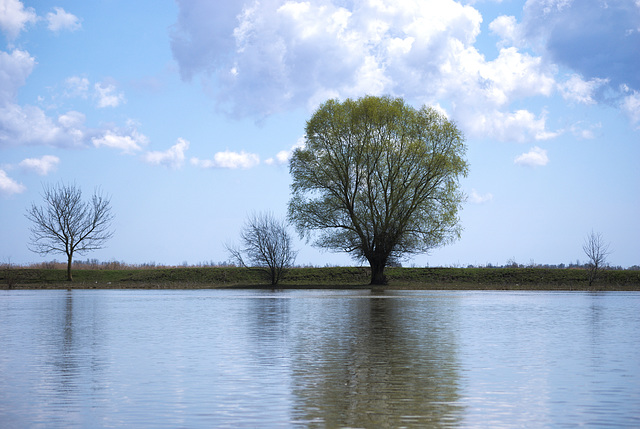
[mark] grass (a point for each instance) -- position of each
(330, 277)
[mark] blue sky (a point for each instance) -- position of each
(186, 112)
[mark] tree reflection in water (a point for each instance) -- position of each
(385, 362)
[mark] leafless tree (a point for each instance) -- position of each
(10, 274)
(266, 244)
(596, 250)
(66, 224)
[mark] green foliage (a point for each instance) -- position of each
(378, 179)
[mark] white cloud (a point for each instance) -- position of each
(61, 20)
(281, 157)
(107, 96)
(13, 17)
(581, 91)
(105, 93)
(284, 156)
(8, 186)
(631, 107)
(30, 125)
(71, 119)
(128, 143)
(172, 157)
(298, 51)
(516, 75)
(41, 166)
(507, 28)
(228, 159)
(77, 87)
(265, 57)
(14, 70)
(519, 126)
(536, 157)
(477, 198)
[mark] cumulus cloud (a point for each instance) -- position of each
(228, 159)
(277, 55)
(8, 186)
(41, 166)
(508, 30)
(631, 106)
(281, 157)
(257, 58)
(15, 67)
(172, 157)
(519, 126)
(128, 141)
(578, 90)
(61, 20)
(477, 198)
(284, 156)
(107, 95)
(29, 125)
(76, 86)
(265, 57)
(71, 120)
(536, 157)
(14, 17)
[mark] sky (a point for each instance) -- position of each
(185, 113)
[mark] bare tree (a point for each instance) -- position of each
(10, 274)
(596, 250)
(266, 244)
(66, 224)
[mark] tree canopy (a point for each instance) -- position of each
(378, 179)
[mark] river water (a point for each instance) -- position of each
(318, 358)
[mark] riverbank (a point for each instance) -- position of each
(329, 277)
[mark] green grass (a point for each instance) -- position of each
(338, 277)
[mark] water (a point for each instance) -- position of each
(220, 358)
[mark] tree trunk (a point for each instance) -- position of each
(69, 258)
(377, 273)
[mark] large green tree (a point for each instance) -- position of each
(378, 179)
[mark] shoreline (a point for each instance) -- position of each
(392, 286)
(184, 278)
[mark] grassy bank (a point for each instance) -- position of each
(334, 277)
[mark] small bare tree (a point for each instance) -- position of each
(10, 274)
(66, 224)
(266, 244)
(596, 250)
